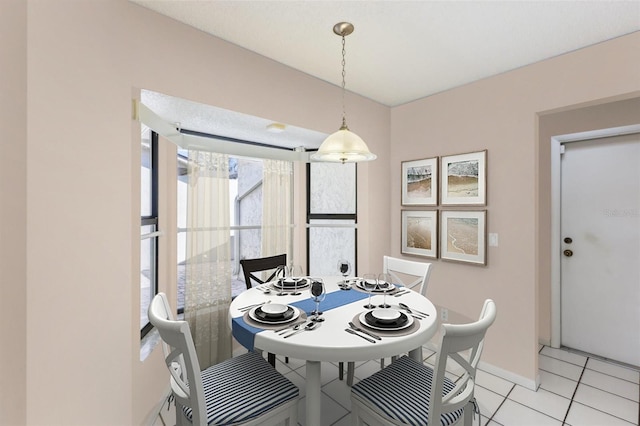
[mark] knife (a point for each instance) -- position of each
(348, 330)
(356, 328)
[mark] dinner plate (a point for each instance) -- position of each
(302, 283)
(368, 320)
(391, 288)
(257, 314)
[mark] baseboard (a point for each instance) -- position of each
(544, 342)
(157, 409)
(510, 376)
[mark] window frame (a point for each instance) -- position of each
(332, 216)
(152, 220)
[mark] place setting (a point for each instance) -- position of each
(383, 319)
(291, 282)
(273, 316)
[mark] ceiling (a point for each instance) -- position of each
(401, 51)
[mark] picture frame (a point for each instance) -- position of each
(420, 182)
(463, 236)
(419, 231)
(463, 179)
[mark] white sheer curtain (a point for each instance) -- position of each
(276, 208)
(208, 266)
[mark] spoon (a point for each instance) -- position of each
(309, 326)
(406, 308)
(290, 328)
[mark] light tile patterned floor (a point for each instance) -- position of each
(575, 390)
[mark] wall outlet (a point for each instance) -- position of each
(444, 314)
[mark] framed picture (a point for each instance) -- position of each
(464, 179)
(420, 232)
(420, 182)
(463, 236)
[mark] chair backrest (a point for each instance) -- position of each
(180, 357)
(399, 268)
(461, 343)
(249, 266)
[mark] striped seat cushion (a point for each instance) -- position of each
(401, 392)
(242, 388)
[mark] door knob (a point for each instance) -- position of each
(568, 253)
(568, 240)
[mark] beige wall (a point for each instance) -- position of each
(501, 114)
(75, 311)
(607, 113)
(13, 229)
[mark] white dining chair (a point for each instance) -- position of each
(408, 392)
(244, 390)
(408, 273)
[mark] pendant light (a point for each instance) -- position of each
(343, 146)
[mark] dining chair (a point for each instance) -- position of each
(408, 392)
(251, 266)
(260, 264)
(408, 273)
(243, 390)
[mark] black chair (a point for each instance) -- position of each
(250, 266)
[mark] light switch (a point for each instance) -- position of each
(493, 240)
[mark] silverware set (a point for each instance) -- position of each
(413, 312)
(299, 329)
(401, 291)
(255, 305)
(360, 332)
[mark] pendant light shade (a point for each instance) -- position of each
(343, 146)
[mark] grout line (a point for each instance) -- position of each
(502, 403)
(574, 393)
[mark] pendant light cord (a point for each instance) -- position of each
(344, 113)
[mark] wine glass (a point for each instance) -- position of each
(281, 273)
(295, 273)
(370, 283)
(318, 293)
(384, 284)
(344, 267)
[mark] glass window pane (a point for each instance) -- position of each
(330, 243)
(147, 272)
(145, 173)
(332, 188)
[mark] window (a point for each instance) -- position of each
(148, 225)
(331, 217)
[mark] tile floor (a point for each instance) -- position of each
(576, 390)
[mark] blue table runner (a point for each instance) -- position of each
(245, 333)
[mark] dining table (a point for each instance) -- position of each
(329, 340)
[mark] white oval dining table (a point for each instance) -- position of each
(330, 342)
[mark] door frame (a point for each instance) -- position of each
(556, 180)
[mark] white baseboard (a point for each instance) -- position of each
(510, 376)
(544, 342)
(157, 409)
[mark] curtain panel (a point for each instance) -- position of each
(208, 264)
(277, 208)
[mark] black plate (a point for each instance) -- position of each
(399, 322)
(303, 282)
(262, 316)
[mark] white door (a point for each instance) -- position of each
(600, 232)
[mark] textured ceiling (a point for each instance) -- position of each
(400, 51)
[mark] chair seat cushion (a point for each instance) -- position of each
(401, 392)
(242, 388)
